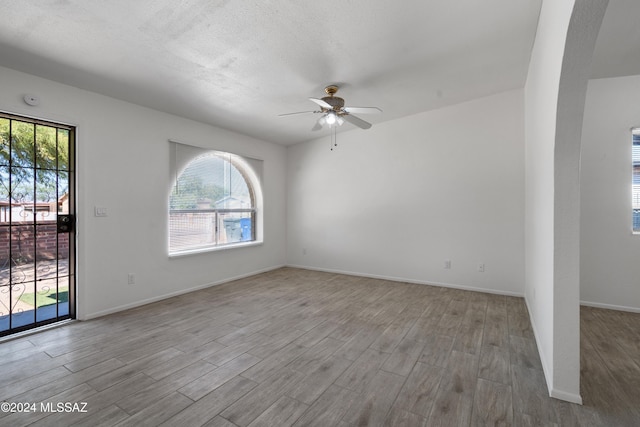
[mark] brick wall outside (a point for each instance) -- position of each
(22, 243)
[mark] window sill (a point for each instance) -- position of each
(214, 249)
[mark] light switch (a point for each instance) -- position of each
(100, 211)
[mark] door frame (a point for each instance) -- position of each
(73, 234)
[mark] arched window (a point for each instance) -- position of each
(213, 203)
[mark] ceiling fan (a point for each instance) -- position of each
(334, 112)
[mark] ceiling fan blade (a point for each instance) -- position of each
(321, 103)
(292, 114)
(363, 110)
(356, 121)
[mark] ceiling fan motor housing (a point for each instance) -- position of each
(335, 101)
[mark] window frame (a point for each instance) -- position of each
(635, 187)
(253, 182)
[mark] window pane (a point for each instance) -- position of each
(63, 193)
(22, 250)
(63, 149)
(45, 197)
(4, 141)
(22, 185)
(235, 227)
(46, 152)
(5, 206)
(200, 185)
(636, 181)
(22, 144)
(5, 263)
(191, 230)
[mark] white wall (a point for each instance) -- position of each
(609, 268)
(398, 200)
(554, 106)
(123, 165)
(541, 95)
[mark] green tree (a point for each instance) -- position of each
(34, 155)
(191, 188)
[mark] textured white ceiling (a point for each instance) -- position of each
(238, 64)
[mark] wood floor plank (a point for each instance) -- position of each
(226, 354)
(254, 403)
(100, 400)
(167, 367)
(420, 389)
(316, 354)
(319, 379)
(354, 348)
(127, 371)
(495, 364)
(496, 327)
(283, 413)
(361, 373)
(402, 418)
(276, 343)
(469, 339)
(34, 364)
(329, 408)
(404, 357)
(158, 412)
(518, 318)
(436, 350)
(16, 388)
(372, 407)
(530, 394)
(317, 334)
(273, 363)
(105, 417)
(526, 420)
(43, 392)
(390, 338)
(136, 402)
(218, 421)
(454, 401)
(492, 405)
(208, 382)
(212, 404)
(524, 352)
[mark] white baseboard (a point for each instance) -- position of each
(610, 306)
(414, 281)
(563, 395)
(173, 294)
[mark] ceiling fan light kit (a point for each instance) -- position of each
(335, 113)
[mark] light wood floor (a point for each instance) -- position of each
(296, 347)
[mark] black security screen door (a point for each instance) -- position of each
(37, 243)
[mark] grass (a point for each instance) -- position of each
(47, 298)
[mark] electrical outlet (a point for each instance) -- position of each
(131, 279)
(481, 267)
(447, 264)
